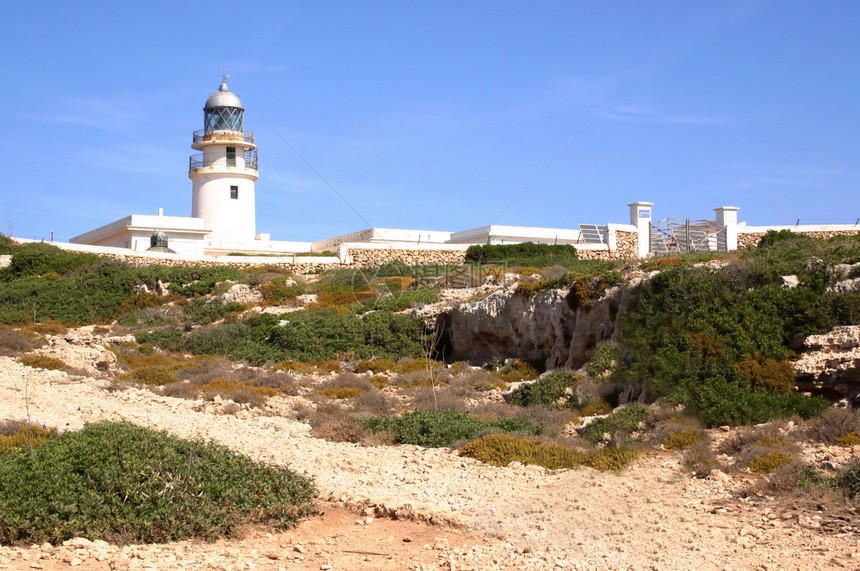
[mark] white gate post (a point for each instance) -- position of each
(727, 217)
(640, 216)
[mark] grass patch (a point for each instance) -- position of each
(443, 428)
(42, 362)
(502, 449)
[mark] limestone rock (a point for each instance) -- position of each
(537, 328)
(241, 293)
(788, 282)
(831, 361)
(81, 350)
(845, 286)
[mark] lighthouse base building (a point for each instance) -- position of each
(223, 210)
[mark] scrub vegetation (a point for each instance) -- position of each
(708, 340)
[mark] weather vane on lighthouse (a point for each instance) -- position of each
(224, 75)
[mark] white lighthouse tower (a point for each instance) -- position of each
(223, 175)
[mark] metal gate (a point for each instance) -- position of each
(675, 236)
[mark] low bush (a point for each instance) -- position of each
(768, 374)
(123, 483)
(42, 362)
(771, 462)
(442, 428)
(239, 392)
(14, 342)
(547, 390)
(181, 390)
(516, 370)
(683, 439)
(832, 424)
(585, 289)
(595, 407)
(605, 359)
(502, 449)
(612, 458)
(25, 437)
(850, 439)
(340, 392)
(524, 254)
(375, 366)
(700, 460)
(155, 376)
(849, 480)
(624, 421)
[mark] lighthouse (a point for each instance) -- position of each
(223, 175)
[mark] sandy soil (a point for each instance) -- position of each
(411, 508)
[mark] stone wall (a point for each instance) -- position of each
(410, 257)
(747, 240)
(628, 249)
(143, 261)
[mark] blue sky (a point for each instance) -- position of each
(436, 115)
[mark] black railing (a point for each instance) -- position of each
(203, 135)
(197, 161)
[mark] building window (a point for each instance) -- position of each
(234, 192)
(231, 156)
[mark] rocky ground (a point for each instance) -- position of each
(407, 507)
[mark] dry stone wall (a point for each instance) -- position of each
(410, 257)
(142, 261)
(747, 240)
(627, 249)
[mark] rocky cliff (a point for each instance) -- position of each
(541, 328)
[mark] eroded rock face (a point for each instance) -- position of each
(84, 352)
(541, 328)
(831, 362)
(241, 293)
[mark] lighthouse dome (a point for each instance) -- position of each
(223, 112)
(223, 98)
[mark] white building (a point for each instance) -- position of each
(223, 209)
(223, 202)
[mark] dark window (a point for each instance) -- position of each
(234, 192)
(231, 156)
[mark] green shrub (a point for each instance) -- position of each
(204, 311)
(849, 480)
(605, 358)
(42, 362)
(524, 254)
(39, 258)
(623, 420)
(545, 391)
(124, 483)
(277, 290)
(436, 429)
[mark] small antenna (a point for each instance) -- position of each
(224, 75)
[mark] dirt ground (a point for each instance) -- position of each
(406, 507)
